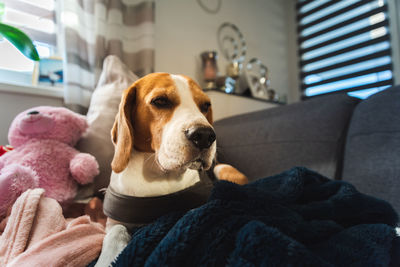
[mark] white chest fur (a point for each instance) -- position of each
(143, 178)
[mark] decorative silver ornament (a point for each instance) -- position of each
(231, 43)
(257, 78)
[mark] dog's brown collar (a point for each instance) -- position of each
(143, 210)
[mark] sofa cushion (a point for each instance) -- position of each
(309, 133)
(372, 155)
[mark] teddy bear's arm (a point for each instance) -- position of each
(84, 168)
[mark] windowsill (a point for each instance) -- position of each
(47, 91)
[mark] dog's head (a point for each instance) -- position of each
(168, 115)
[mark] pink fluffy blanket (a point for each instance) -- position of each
(37, 234)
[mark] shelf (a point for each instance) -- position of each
(245, 96)
(55, 92)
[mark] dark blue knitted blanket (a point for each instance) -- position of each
(297, 218)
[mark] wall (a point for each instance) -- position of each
(293, 69)
(184, 30)
(12, 103)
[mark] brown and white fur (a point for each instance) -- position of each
(163, 136)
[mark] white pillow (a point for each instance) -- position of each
(104, 103)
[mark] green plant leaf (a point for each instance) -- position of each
(20, 40)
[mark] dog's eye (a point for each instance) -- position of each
(161, 102)
(205, 107)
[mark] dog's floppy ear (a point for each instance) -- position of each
(122, 131)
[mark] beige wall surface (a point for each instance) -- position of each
(184, 30)
(13, 103)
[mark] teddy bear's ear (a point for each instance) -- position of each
(122, 131)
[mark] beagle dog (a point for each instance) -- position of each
(163, 139)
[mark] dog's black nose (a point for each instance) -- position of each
(201, 137)
(33, 112)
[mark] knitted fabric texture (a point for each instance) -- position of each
(297, 218)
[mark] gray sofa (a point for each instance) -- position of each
(338, 136)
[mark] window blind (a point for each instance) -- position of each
(344, 46)
(36, 18)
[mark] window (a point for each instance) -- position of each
(37, 19)
(344, 46)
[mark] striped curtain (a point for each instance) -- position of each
(94, 29)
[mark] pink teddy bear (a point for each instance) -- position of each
(43, 156)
